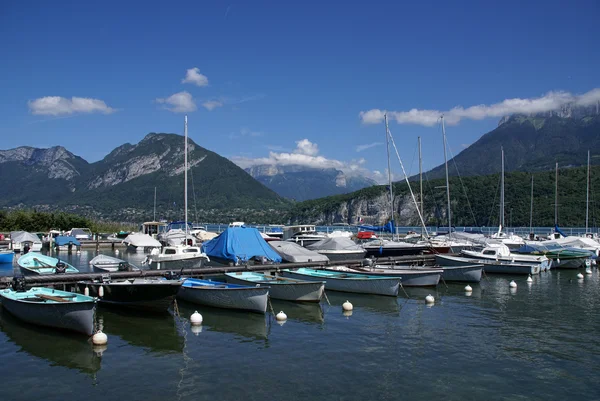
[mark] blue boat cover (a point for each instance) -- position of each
(389, 227)
(65, 240)
(240, 244)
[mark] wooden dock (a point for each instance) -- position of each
(69, 278)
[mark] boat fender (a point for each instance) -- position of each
(123, 266)
(60, 267)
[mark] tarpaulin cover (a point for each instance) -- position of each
(240, 244)
(65, 240)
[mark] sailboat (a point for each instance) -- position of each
(509, 239)
(182, 255)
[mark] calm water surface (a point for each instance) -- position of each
(538, 342)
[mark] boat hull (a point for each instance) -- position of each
(384, 252)
(77, 317)
(462, 274)
(342, 256)
(490, 267)
(574, 263)
(156, 297)
(7, 257)
(306, 291)
(252, 299)
(410, 277)
(191, 263)
(376, 286)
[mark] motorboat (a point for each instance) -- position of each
(23, 240)
(304, 234)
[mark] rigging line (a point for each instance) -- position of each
(463, 186)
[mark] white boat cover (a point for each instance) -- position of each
(176, 236)
(294, 253)
(335, 244)
(24, 236)
(141, 240)
(105, 260)
(204, 235)
(340, 233)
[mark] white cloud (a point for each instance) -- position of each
(552, 101)
(193, 76)
(248, 132)
(306, 147)
(210, 105)
(306, 154)
(56, 105)
(360, 148)
(181, 102)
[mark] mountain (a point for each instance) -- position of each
(531, 143)
(301, 183)
(121, 186)
(474, 200)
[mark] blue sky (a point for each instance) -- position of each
(285, 77)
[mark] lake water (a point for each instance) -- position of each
(539, 342)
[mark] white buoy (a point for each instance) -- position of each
(468, 288)
(99, 338)
(196, 329)
(281, 316)
(529, 279)
(101, 291)
(429, 299)
(513, 284)
(86, 292)
(580, 276)
(347, 306)
(196, 319)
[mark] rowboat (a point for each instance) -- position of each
(490, 266)
(411, 276)
(462, 274)
(224, 295)
(34, 263)
(154, 294)
(109, 264)
(288, 289)
(349, 282)
(6, 256)
(52, 308)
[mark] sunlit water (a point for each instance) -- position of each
(538, 342)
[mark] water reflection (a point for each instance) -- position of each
(309, 312)
(248, 325)
(57, 347)
(375, 303)
(155, 332)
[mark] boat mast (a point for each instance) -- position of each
(387, 140)
(587, 195)
(556, 197)
(154, 219)
(185, 150)
(531, 208)
(447, 180)
(420, 181)
(502, 193)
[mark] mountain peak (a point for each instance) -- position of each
(567, 111)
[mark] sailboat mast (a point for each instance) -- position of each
(154, 204)
(531, 208)
(387, 140)
(420, 181)
(587, 195)
(447, 180)
(185, 166)
(502, 191)
(556, 197)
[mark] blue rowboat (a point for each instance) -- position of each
(52, 308)
(7, 256)
(288, 289)
(349, 282)
(224, 295)
(34, 263)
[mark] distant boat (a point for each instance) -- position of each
(287, 289)
(6, 256)
(380, 248)
(411, 276)
(238, 246)
(34, 263)
(80, 233)
(66, 243)
(177, 257)
(140, 242)
(489, 266)
(52, 308)
(295, 253)
(224, 295)
(19, 240)
(304, 234)
(338, 248)
(502, 253)
(155, 294)
(109, 264)
(349, 282)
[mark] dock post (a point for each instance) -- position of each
(97, 243)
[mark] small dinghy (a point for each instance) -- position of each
(6, 256)
(34, 263)
(109, 264)
(287, 289)
(224, 295)
(411, 276)
(52, 308)
(349, 282)
(148, 293)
